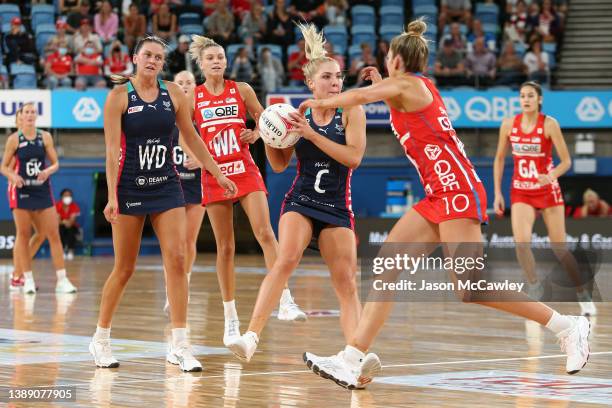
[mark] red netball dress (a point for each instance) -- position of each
(220, 119)
(532, 153)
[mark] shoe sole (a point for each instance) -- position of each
(172, 360)
(588, 354)
(113, 365)
(237, 352)
(300, 318)
(371, 369)
(315, 369)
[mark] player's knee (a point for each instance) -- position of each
(287, 262)
(344, 283)
(264, 235)
(24, 234)
(123, 273)
(175, 262)
(226, 250)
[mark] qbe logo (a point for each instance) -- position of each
(86, 110)
(590, 109)
(453, 110)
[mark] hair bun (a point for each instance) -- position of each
(416, 27)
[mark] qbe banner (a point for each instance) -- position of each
(12, 100)
(487, 109)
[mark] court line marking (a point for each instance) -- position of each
(224, 375)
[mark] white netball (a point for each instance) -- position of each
(274, 126)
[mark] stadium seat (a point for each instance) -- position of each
(550, 48)
(191, 29)
(45, 28)
(24, 76)
(298, 33)
(387, 32)
(363, 34)
(292, 48)
(353, 51)
(398, 3)
(487, 13)
(392, 15)
(361, 14)
(41, 40)
(462, 29)
(416, 3)
(42, 18)
(276, 50)
(336, 35)
(189, 19)
(42, 8)
(230, 53)
(7, 12)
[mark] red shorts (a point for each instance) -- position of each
(549, 197)
(244, 173)
(451, 205)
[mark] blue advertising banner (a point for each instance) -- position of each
(487, 109)
(77, 109)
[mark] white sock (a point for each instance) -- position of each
(61, 274)
(28, 275)
(102, 333)
(353, 355)
(179, 336)
(558, 323)
(286, 296)
(229, 310)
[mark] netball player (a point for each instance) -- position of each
(220, 111)
(190, 176)
(532, 135)
(30, 196)
(318, 205)
(452, 211)
(139, 119)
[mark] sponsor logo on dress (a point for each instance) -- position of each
(135, 204)
(167, 105)
(432, 151)
(204, 103)
(232, 168)
(135, 109)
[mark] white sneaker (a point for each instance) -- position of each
(370, 368)
(65, 286)
(290, 311)
(587, 307)
(575, 343)
(334, 368)
(244, 346)
(182, 356)
(232, 331)
(102, 353)
(70, 256)
(29, 287)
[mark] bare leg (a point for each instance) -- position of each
(221, 218)
(47, 220)
(523, 217)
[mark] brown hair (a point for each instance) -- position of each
(537, 87)
(412, 46)
(122, 79)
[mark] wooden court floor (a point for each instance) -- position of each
(434, 354)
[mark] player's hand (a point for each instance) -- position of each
(228, 185)
(499, 205)
(42, 176)
(300, 125)
(249, 136)
(545, 179)
(17, 180)
(371, 74)
(191, 164)
(111, 211)
(308, 103)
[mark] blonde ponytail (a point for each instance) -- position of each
(119, 79)
(315, 49)
(198, 44)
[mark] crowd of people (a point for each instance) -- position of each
(95, 39)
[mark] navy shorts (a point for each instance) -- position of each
(320, 216)
(30, 198)
(163, 198)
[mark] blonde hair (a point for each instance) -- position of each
(589, 192)
(315, 49)
(412, 46)
(198, 44)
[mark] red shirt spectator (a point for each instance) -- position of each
(60, 64)
(296, 61)
(65, 212)
(88, 62)
(117, 64)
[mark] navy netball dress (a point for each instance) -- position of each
(148, 181)
(321, 189)
(191, 180)
(30, 161)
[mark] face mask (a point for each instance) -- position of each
(67, 200)
(89, 50)
(63, 50)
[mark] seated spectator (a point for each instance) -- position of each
(242, 68)
(365, 59)
(134, 26)
(295, 63)
(220, 24)
(270, 70)
(560, 7)
(335, 10)
(449, 68)
(510, 67)
(312, 11)
(209, 6)
(548, 24)
(117, 62)
(240, 8)
(254, 24)
(154, 5)
(329, 47)
(593, 206)
(179, 59)
(89, 68)
(164, 23)
(19, 45)
(68, 6)
(85, 35)
(454, 11)
(58, 66)
(68, 211)
(106, 23)
(249, 46)
(75, 19)
(61, 36)
(533, 16)
(536, 61)
(480, 64)
(515, 27)
(381, 55)
(280, 26)
(459, 41)
(477, 31)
